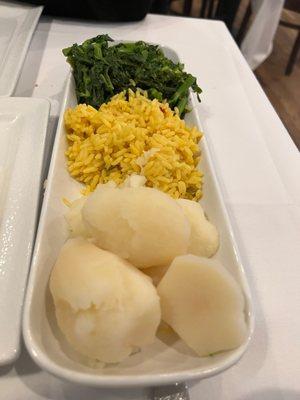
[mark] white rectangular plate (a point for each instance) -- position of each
(17, 24)
(156, 364)
(23, 127)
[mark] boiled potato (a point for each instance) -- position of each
(105, 307)
(156, 273)
(142, 225)
(204, 305)
(74, 218)
(204, 239)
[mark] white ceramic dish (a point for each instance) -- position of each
(156, 365)
(23, 127)
(17, 24)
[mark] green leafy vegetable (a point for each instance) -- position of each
(100, 71)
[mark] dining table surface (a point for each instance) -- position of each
(258, 169)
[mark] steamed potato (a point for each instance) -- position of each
(142, 225)
(204, 305)
(74, 218)
(204, 239)
(156, 273)
(105, 307)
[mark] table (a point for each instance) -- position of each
(258, 167)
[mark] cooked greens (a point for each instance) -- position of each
(100, 71)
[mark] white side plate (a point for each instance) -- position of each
(155, 365)
(23, 127)
(17, 24)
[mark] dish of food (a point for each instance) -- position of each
(134, 296)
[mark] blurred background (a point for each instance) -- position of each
(278, 69)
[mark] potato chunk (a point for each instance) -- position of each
(204, 239)
(142, 225)
(105, 307)
(204, 305)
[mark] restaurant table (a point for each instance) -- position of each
(258, 168)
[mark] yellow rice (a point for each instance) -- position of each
(109, 144)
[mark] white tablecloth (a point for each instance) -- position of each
(258, 42)
(259, 170)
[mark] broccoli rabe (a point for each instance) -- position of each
(100, 71)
